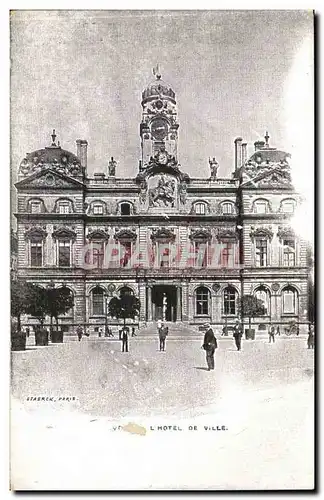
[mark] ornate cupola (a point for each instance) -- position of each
(159, 126)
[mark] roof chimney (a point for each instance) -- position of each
(244, 153)
(238, 152)
(82, 152)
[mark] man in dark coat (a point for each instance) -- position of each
(210, 344)
(124, 336)
(79, 332)
(163, 332)
(271, 333)
(237, 334)
(311, 339)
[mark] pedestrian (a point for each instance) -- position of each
(159, 325)
(110, 333)
(133, 331)
(100, 332)
(124, 335)
(271, 333)
(163, 333)
(237, 334)
(27, 332)
(79, 332)
(311, 338)
(278, 331)
(209, 345)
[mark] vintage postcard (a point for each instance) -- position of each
(162, 250)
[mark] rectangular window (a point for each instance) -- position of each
(36, 254)
(288, 207)
(64, 253)
(98, 254)
(97, 209)
(35, 207)
(261, 246)
(261, 207)
(227, 254)
(164, 254)
(97, 304)
(201, 254)
(64, 208)
(289, 253)
(200, 208)
(227, 208)
(125, 253)
(288, 302)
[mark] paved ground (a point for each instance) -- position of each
(262, 396)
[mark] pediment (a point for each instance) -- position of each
(48, 179)
(200, 235)
(163, 234)
(125, 234)
(268, 178)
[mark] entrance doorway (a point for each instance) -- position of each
(164, 303)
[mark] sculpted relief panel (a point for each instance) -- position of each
(162, 191)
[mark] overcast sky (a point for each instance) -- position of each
(82, 73)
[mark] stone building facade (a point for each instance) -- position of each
(188, 247)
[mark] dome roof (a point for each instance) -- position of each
(53, 157)
(158, 87)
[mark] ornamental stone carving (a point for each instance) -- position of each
(226, 234)
(35, 232)
(164, 193)
(125, 234)
(163, 234)
(63, 232)
(286, 232)
(261, 232)
(200, 234)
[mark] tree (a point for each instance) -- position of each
(58, 301)
(126, 306)
(252, 307)
(27, 298)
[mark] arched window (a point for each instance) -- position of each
(68, 292)
(97, 209)
(227, 208)
(36, 206)
(288, 206)
(229, 301)
(200, 208)
(261, 206)
(202, 301)
(263, 294)
(98, 297)
(289, 300)
(125, 208)
(125, 290)
(63, 206)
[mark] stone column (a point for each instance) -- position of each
(185, 304)
(149, 303)
(179, 305)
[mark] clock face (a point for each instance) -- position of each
(159, 129)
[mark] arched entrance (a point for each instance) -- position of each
(164, 303)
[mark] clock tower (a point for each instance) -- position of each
(159, 126)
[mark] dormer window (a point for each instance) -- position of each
(35, 207)
(125, 208)
(200, 208)
(64, 207)
(288, 206)
(261, 207)
(97, 209)
(227, 208)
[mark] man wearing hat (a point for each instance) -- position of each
(210, 344)
(237, 334)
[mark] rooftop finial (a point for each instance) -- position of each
(53, 137)
(267, 137)
(156, 72)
